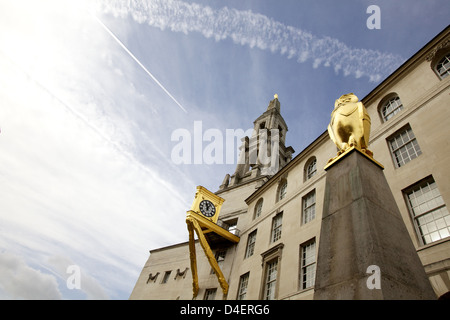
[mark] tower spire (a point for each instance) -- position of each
(274, 104)
(264, 153)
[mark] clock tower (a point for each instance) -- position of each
(265, 152)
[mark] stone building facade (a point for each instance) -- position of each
(277, 214)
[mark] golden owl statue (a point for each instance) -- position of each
(350, 125)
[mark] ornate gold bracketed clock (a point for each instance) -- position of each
(202, 219)
(207, 204)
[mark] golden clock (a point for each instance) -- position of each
(207, 204)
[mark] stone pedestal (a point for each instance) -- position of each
(362, 227)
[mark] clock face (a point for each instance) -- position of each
(207, 208)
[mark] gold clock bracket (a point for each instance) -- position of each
(201, 225)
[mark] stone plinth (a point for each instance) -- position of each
(362, 227)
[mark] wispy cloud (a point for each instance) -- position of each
(256, 30)
(73, 189)
(20, 281)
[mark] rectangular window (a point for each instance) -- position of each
(210, 294)
(166, 276)
(220, 258)
(308, 264)
(309, 207)
(271, 279)
(250, 244)
(429, 212)
(276, 227)
(243, 284)
(404, 146)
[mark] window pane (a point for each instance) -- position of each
(404, 147)
(311, 169)
(258, 208)
(429, 211)
(308, 265)
(251, 244)
(271, 279)
(282, 193)
(309, 207)
(243, 287)
(276, 227)
(166, 277)
(391, 107)
(443, 67)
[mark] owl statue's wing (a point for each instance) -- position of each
(364, 122)
(330, 129)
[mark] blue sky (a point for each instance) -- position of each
(92, 91)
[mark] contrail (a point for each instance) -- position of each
(137, 61)
(94, 128)
(255, 30)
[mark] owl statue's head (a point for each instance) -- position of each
(344, 99)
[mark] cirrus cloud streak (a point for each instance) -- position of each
(256, 30)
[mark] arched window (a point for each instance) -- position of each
(440, 62)
(442, 68)
(282, 187)
(258, 208)
(310, 168)
(390, 106)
